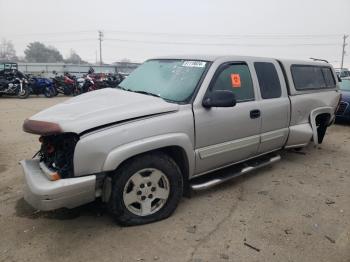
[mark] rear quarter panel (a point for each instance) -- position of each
(304, 102)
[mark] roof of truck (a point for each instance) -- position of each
(213, 58)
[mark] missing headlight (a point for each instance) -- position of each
(57, 152)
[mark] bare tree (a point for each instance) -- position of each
(74, 58)
(7, 50)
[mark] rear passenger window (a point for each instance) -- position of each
(312, 77)
(270, 86)
(235, 78)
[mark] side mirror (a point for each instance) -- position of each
(219, 98)
(339, 79)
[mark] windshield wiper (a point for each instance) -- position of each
(138, 91)
(123, 88)
(145, 93)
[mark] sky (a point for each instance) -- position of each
(142, 29)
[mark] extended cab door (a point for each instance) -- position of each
(226, 135)
(274, 105)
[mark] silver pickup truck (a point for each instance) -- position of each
(169, 125)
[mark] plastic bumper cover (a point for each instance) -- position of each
(43, 194)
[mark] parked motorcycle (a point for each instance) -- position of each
(64, 84)
(40, 85)
(114, 80)
(89, 84)
(14, 84)
(15, 87)
(69, 84)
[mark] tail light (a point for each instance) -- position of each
(340, 98)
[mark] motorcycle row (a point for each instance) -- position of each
(15, 83)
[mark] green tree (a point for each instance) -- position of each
(37, 52)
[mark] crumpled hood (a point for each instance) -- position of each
(102, 107)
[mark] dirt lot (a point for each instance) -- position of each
(295, 210)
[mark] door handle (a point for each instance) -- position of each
(255, 113)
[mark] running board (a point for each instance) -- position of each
(218, 177)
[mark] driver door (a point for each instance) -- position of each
(225, 135)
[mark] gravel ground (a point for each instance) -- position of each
(295, 210)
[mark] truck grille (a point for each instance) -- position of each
(342, 108)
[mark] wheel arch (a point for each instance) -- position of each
(320, 116)
(177, 146)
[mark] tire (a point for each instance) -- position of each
(55, 92)
(49, 92)
(67, 90)
(25, 92)
(76, 91)
(163, 196)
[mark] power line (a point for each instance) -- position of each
(71, 40)
(230, 35)
(218, 43)
(100, 38)
(53, 33)
(258, 36)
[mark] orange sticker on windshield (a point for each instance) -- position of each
(235, 80)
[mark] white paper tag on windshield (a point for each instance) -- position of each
(194, 64)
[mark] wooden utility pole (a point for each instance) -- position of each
(343, 52)
(100, 38)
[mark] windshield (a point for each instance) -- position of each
(173, 80)
(345, 85)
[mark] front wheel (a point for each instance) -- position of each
(49, 92)
(146, 189)
(24, 93)
(67, 90)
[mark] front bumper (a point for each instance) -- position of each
(343, 112)
(43, 194)
(344, 117)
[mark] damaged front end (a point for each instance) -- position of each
(49, 176)
(57, 153)
(57, 148)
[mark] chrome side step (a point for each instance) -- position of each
(218, 177)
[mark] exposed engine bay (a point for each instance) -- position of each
(57, 152)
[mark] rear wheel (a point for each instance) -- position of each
(322, 124)
(146, 189)
(76, 91)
